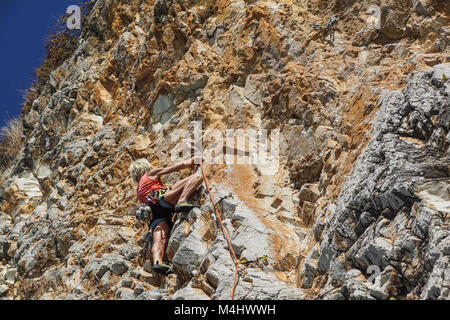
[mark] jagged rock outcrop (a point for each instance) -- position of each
(392, 211)
(362, 184)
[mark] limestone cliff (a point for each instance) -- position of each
(358, 207)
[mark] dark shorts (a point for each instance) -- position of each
(162, 212)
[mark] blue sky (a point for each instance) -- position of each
(24, 25)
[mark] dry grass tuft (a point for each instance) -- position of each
(10, 142)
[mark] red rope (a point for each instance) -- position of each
(224, 232)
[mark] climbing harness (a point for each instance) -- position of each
(144, 212)
(154, 196)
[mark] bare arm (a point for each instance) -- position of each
(158, 173)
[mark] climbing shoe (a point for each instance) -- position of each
(162, 268)
(184, 207)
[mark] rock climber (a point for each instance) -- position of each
(164, 202)
(329, 28)
(160, 10)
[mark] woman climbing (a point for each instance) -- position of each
(163, 202)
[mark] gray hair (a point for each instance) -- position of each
(138, 168)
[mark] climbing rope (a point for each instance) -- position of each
(236, 262)
(233, 255)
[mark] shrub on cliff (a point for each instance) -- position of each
(59, 46)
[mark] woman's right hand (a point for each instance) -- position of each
(193, 162)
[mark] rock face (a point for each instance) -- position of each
(356, 206)
(382, 217)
